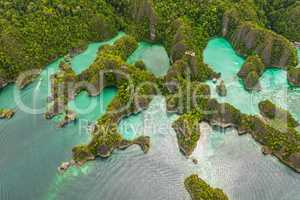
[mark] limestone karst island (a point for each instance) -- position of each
(150, 99)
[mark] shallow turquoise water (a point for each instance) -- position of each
(274, 86)
(32, 148)
(90, 108)
(154, 56)
(85, 59)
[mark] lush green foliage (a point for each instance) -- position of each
(283, 16)
(188, 131)
(200, 190)
(294, 77)
(273, 112)
(33, 33)
(253, 63)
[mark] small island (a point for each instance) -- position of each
(278, 115)
(200, 190)
(6, 113)
(251, 71)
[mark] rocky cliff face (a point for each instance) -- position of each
(3, 83)
(294, 77)
(143, 11)
(248, 38)
(251, 71)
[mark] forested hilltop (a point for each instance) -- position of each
(34, 33)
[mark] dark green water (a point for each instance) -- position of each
(32, 147)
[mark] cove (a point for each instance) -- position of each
(85, 59)
(32, 147)
(233, 163)
(222, 58)
(154, 56)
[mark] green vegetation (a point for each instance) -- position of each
(6, 113)
(33, 34)
(248, 38)
(284, 144)
(221, 89)
(271, 111)
(253, 63)
(200, 190)
(294, 77)
(129, 100)
(283, 17)
(188, 132)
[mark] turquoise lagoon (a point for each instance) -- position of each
(154, 56)
(32, 147)
(274, 86)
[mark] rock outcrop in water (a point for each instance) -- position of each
(3, 83)
(251, 71)
(294, 77)
(200, 190)
(188, 133)
(6, 113)
(185, 56)
(284, 144)
(248, 38)
(106, 137)
(221, 89)
(273, 112)
(144, 11)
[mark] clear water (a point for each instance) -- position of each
(32, 148)
(88, 107)
(274, 86)
(85, 59)
(154, 56)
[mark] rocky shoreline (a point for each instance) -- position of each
(6, 113)
(200, 190)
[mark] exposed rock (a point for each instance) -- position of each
(252, 81)
(143, 142)
(221, 89)
(248, 38)
(3, 83)
(273, 112)
(70, 116)
(64, 166)
(144, 11)
(266, 150)
(188, 133)
(251, 71)
(104, 151)
(295, 161)
(294, 77)
(6, 113)
(195, 161)
(200, 190)
(82, 154)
